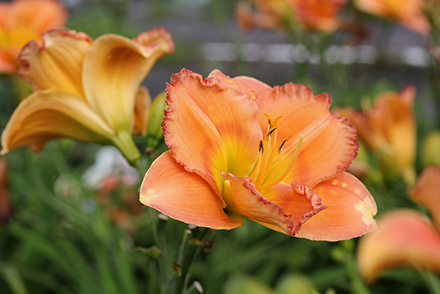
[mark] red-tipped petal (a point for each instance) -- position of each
(210, 127)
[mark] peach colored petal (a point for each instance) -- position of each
(319, 14)
(141, 110)
(51, 114)
(184, 196)
(404, 238)
(349, 214)
(210, 128)
(36, 15)
(297, 200)
(374, 139)
(330, 143)
(113, 69)
(241, 84)
(22, 21)
(57, 63)
(242, 198)
(427, 191)
(410, 15)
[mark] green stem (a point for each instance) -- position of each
(124, 142)
(359, 287)
(186, 256)
(158, 227)
(432, 281)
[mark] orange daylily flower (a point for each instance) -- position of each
(22, 21)
(85, 89)
(409, 14)
(405, 237)
(319, 15)
(389, 130)
(241, 149)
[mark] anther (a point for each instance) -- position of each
(269, 133)
(282, 144)
(261, 148)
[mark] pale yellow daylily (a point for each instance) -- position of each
(85, 89)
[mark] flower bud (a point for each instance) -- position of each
(155, 118)
(430, 149)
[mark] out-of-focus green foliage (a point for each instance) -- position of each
(64, 239)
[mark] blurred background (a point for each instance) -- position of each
(70, 217)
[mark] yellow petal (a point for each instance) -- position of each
(210, 128)
(184, 196)
(51, 114)
(427, 191)
(114, 68)
(404, 238)
(349, 213)
(57, 63)
(141, 110)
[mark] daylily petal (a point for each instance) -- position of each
(296, 199)
(51, 114)
(427, 191)
(410, 15)
(404, 238)
(330, 143)
(242, 198)
(113, 69)
(141, 110)
(389, 130)
(57, 63)
(210, 128)
(22, 21)
(393, 116)
(366, 132)
(319, 14)
(349, 213)
(241, 84)
(184, 196)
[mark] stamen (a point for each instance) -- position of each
(255, 172)
(269, 133)
(275, 122)
(282, 144)
(261, 149)
(267, 172)
(269, 120)
(268, 184)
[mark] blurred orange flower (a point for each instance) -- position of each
(319, 15)
(409, 14)
(22, 21)
(85, 89)
(241, 149)
(405, 237)
(389, 130)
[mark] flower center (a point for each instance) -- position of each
(268, 170)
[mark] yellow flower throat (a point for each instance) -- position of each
(268, 170)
